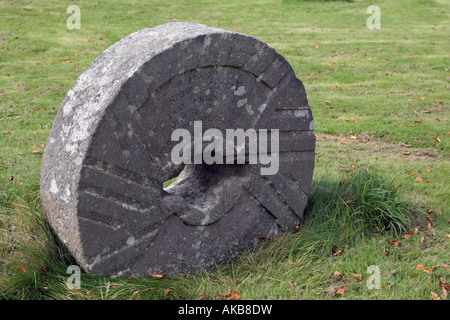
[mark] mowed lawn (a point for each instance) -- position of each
(380, 101)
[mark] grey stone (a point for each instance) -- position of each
(108, 153)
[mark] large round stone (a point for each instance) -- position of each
(110, 151)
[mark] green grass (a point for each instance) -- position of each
(365, 88)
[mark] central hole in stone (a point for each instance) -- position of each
(180, 174)
(169, 182)
(202, 184)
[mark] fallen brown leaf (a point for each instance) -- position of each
(291, 285)
(21, 269)
(445, 287)
(420, 267)
(158, 276)
(440, 265)
(407, 235)
(394, 242)
(233, 296)
(430, 229)
(434, 296)
(357, 276)
(337, 253)
(339, 291)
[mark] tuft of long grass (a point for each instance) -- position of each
(362, 203)
(31, 251)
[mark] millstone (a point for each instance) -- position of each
(109, 153)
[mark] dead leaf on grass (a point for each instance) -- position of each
(233, 296)
(21, 269)
(445, 287)
(357, 276)
(339, 291)
(157, 276)
(337, 253)
(434, 296)
(394, 242)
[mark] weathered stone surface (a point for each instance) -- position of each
(108, 153)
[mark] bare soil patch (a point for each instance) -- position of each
(368, 146)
